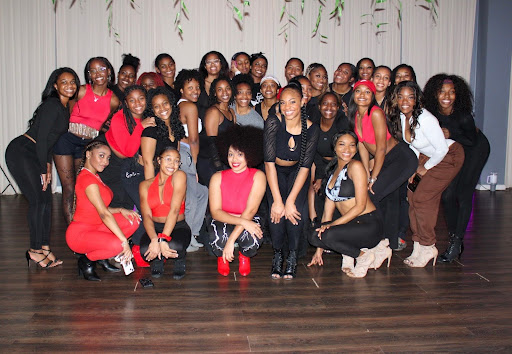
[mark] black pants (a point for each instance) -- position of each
(348, 239)
(399, 164)
(285, 230)
(179, 242)
(132, 173)
(457, 199)
(22, 161)
(219, 233)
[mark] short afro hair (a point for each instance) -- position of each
(246, 139)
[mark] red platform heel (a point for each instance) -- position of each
(222, 267)
(244, 265)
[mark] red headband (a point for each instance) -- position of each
(366, 83)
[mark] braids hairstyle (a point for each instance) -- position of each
(246, 139)
(128, 116)
(158, 80)
(212, 98)
(463, 95)
(186, 75)
(333, 164)
(162, 131)
(395, 70)
(352, 110)
(255, 56)
(394, 111)
(314, 66)
(163, 56)
(224, 67)
(359, 64)
(112, 76)
(51, 91)
(130, 60)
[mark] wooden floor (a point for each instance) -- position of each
(464, 306)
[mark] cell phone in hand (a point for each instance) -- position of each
(414, 184)
(146, 283)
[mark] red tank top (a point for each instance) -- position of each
(86, 212)
(120, 139)
(159, 208)
(91, 110)
(235, 189)
(368, 134)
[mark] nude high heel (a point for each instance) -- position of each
(426, 253)
(347, 263)
(362, 264)
(414, 254)
(381, 252)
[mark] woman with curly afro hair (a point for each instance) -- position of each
(449, 98)
(235, 195)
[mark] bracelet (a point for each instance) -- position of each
(162, 236)
(372, 180)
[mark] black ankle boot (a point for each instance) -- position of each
(291, 265)
(454, 250)
(86, 268)
(157, 267)
(179, 268)
(107, 267)
(277, 264)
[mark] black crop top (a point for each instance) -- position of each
(275, 142)
(343, 188)
(151, 132)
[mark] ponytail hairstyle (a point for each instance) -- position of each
(394, 111)
(333, 164)
(162, 131)
(130, 60)
(128, 116)
(111, 77)
(51, 91)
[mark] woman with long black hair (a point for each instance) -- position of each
(29, 159)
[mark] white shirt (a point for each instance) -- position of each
(428, 138)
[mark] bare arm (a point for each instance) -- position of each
(380, 129)
(189, 112)
(148, 148)
(179, 185)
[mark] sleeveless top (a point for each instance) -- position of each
(343, 188)
(91, 110)
(119, 137)
(86, 212)
(368, 133)
(161, 208)
(235, 189)
(185, 126)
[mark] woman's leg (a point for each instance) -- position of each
(67, 175)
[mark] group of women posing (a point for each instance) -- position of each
(359, 159)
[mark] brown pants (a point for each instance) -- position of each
(424, 202)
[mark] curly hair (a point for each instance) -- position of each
(241, 79)
(224, 67)
(130, 122)
(186, 75)
(395, 125)
(162, 130)
(154, 76)
(463, 95)
(130, 60)
(246, 139)
(212, 98)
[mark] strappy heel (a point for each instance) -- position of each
(27, 256)
(55, 262)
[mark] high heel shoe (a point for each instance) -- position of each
(362, 264)
(222, 267)
(291, 266)
(277, 264)
(414, 254)
(454, 250)
(347, 263)
(49, 254)
(107, 267)
(42, 265)
(381, 252)
(244, 264)
(86, 267)
(426, 253)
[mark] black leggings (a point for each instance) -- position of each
(348, 239)
(458, 197)
(219, 233)
(22, 161)
(285, 229)
(179, 242)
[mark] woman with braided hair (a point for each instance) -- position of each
(98, 231)
(290, 141)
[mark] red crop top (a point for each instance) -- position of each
(86, 212)
(120, 139)
(159, 208)
(367, 127)
(91, 110)
(235, 189)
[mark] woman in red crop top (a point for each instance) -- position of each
(94, 104)
(393, 162)
(235, 195)
(98, 231)
(162, 201)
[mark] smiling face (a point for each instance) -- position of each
(169, 162)
(148, 82)
(243, 64)
(167, 68)
(343, 75)
(290, 103)
(365, 70)
(406, 100)
(307, 90)
(243, 95)
(212, 64)
(136, 102)
(97, 159)
(223, 91)
(65, 86)
(236, 160)
(191, 90)
(446, 98)
(126, 77)
(382, 79)
(318, 78)
(259, 68)
(363, 96)
(269, 89)
(329, 106)
(294, 68)
(403, 74)
(162, 107)
(345, 147)
(98, 73)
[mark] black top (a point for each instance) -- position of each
(257, 96)
(161, 143)
(51, 122)
(117, 91)
(275, 142)
(324, 147)
(461, 127)
(175, 92)
(202, 104)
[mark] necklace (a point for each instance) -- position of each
(96, 98)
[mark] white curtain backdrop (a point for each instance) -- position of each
(35, 40)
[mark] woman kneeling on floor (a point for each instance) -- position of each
(357, 232)
(235, 195)
(162, 202)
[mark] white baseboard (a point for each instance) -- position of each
(486, 187)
